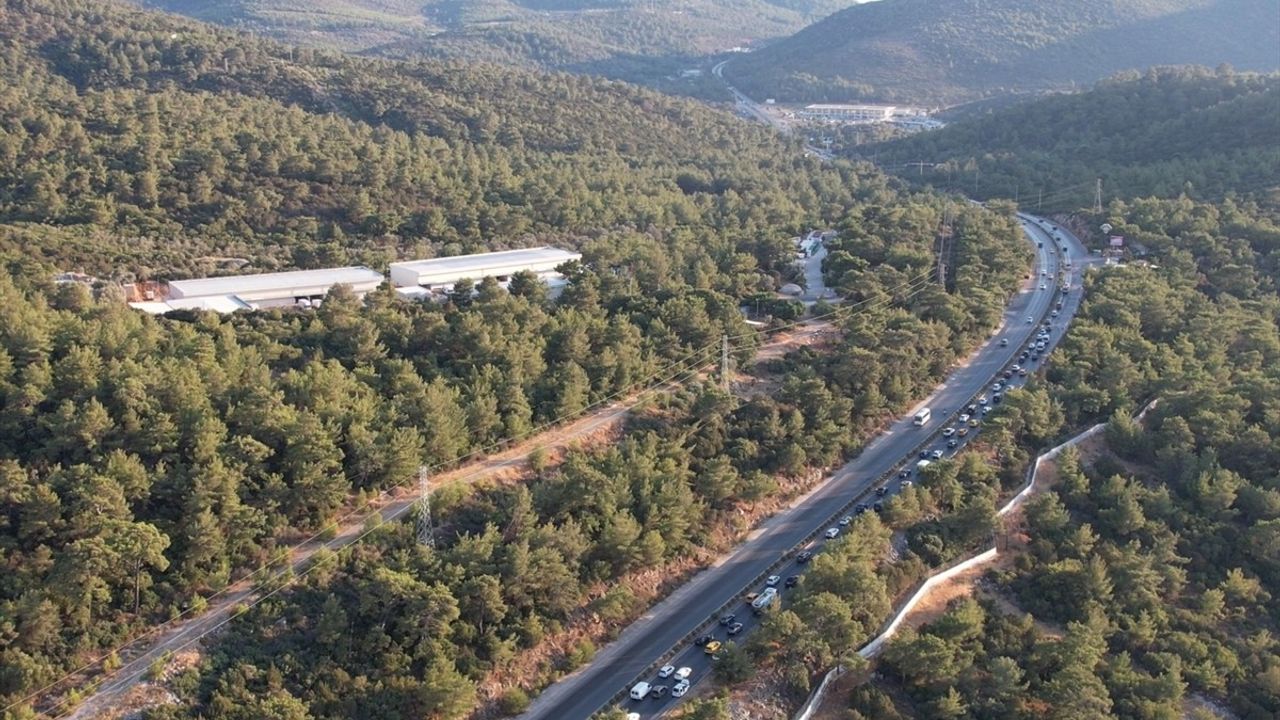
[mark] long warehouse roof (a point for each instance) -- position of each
(489, 262)
(265, 282)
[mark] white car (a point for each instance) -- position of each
(772, 580)
(666, 671)
(633, 716)
(1030, 320)
(964, 417)
(832, 532)
(1043, 286)
(680, 689)
(684, 673)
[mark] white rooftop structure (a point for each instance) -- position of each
(850, 112)
(280, 288)
(439, 272)
(216, 303)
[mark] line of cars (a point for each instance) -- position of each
(682, 677)
(968, 422)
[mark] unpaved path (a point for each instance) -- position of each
(113, 688)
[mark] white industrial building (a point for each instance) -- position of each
(266, 290)
(417, 279)
(850, 113)
(424, 279)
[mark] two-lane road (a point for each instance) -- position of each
(620, 664)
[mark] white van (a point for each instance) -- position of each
(640, 691)
(922, 417)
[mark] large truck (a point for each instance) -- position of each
(922, 417)
(764, 600)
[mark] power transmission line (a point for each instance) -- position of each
(426, 533)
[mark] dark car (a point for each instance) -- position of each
(1008, 374)
(995, 398)
(657, 692)
(882, 491)
(792, 581)
(972, 409)
(704, 639)
(735, 628)
(878, 507)
(924, 454)
(860, 507)
(806, 556)
(952, 443)
(727, 618)
(859, 510)
(904, 473)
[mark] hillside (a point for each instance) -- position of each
(147, 463)
(167, 142)
(629, 39)
(949, 51)
(1167, 131)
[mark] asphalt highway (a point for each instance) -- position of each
(630, 658)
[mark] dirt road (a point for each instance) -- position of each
(113, 692)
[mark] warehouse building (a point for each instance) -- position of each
(850, 113)
(267, 290)
(434, 278)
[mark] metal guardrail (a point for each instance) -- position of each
(786, 557)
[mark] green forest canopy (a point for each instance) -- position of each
(1159, 563)
(1162, 132)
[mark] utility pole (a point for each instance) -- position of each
(1097, 197)
(920, 164)
(426, 534)
(724, 361)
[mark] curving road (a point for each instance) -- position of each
(653, 637)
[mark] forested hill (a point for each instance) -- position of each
(1162, 133)
(947, 51)
(147, 463)
(140, 142)
(630, 39)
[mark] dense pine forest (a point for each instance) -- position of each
(148, 462)
(1162, 132)
(1149, 581)
(174, 145)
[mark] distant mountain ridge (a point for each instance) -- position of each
(631, 39)
(950, 51)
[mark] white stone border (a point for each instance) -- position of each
(873, 648)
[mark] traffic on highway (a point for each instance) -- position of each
(667, 653)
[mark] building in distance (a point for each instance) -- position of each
(434, 278)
